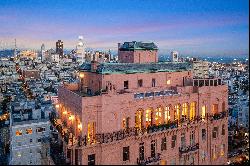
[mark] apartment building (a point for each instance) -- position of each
(142, 113)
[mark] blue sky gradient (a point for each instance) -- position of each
(192, 27)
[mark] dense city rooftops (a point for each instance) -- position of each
(129, 68)
(130, 46)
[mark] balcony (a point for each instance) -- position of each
(219, 116)
(149, 160)
(190, 148)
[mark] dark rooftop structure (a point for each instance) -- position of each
(130, 68)
(130, 46)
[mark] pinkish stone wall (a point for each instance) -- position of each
(95, 82)
(138, 56)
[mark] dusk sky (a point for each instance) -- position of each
(192, 27)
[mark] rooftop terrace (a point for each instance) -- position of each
(130, 68)
(130, 46)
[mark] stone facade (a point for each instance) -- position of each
(160, 118)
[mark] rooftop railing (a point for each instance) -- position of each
(149, 160)
(190, 148)
(103, 138)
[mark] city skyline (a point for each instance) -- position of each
(202, 28)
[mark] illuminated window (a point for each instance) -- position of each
(148, 117)
(192, 110)
(177, 112)
(214, 153)
(223, 106)
(126, 123)
(19, 132)
(19, 154)
(215, 108)
(158, 116)
(184, 110)
(29, 131)
(168, 82)
(167, 114)
(91, 132)
(222, 149)
(203, 112)
(138, 119)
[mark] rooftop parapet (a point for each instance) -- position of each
(130, 68)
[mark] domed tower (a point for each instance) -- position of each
(80, 50)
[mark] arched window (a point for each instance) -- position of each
(184, 113)
(167, 114)
(139, 119)
(158, 116)
(192, 110)
(177, 112)
(148, 117)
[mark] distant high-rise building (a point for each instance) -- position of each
(42, 52)
(174, 56)
(59, 48)
(80, 50)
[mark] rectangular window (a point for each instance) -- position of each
(125, 153)
(153, 147)
(164, 144)
(215, 132)
(192, 138)
(183, 140)
(203, 112)
(215, 108)
(29, 131)
(19, 132)
(40, 129)
(141, 151)
(223, 130)
(125, 84)
(39, 140)
(91, 159)
(31, 140)
(153, 82)
(173, 142)
(167, 114)
(168, 82)
(91, 132)
(140, 82)
(203, 133)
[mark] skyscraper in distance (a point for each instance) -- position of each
(59, 48)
